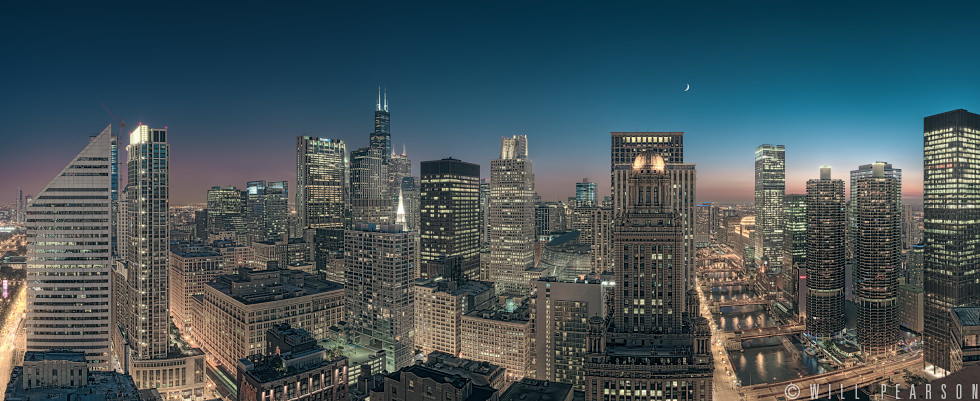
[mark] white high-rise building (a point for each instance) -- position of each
(379, 275)
(69, 261)
(145, 347)
(511, 217)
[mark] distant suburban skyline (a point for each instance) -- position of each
(838, 84)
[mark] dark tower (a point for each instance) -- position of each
(951, 192)
(381, 137)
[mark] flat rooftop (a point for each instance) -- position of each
(968, 315)
(311, 285)
(33, 356)
(101, 386)
(536, 390)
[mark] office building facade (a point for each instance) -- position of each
(770, 188)
(511, 217)
(321, 182)
(70, 264)
(585, 193)
(267, 209)
(951, 191)
(237, 310)
(440, 304)
(449, 199)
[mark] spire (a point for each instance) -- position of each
(379, 99)
(403, 150)
(386, 99)
(400, 214)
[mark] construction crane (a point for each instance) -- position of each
(122, 124)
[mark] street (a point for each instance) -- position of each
(12, 337)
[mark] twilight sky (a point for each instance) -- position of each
(837, 83)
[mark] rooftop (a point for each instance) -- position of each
(473, 370)
(267, 368)
(968, 315)
(54, 355)
(537, 390)
(519, 315)
(357, 355)
(195, 253)
(472, 287)
(101, 386)
(252, 287)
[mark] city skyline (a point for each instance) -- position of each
(791, 206)
(234, 118)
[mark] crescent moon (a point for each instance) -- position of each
(688, 88)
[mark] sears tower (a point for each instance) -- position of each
(381, 137)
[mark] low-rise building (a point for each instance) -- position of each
(439, 305)
(965, 330)
(360, 358)
(501, 337)
(538, 390)
(65, 375)
(910, 305)
(238, 309)
(190, 269)
(422, 383)
(482, 373)
(285, 252)
(295, 369)
(235, 255)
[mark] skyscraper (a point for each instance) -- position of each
(381, 137)
(656, 338)
(151, 352)
(410, 200)
(484, 213)
(585, 193)
(951, 193)
(149, 240)
(794, 247)
(770, 187)
(321, 196)
(877, 256)
(825, 255)
(267, 209)
(379, 276)
(399, 167)
(226, 214)
(69, 260)
(794, 232)
(702, 225)
(275, 217)
(321, 182)
(865, 170)
(369, 200)
(626, 146)
(511, 217)
(449, 198)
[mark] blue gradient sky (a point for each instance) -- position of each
(837, 83)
